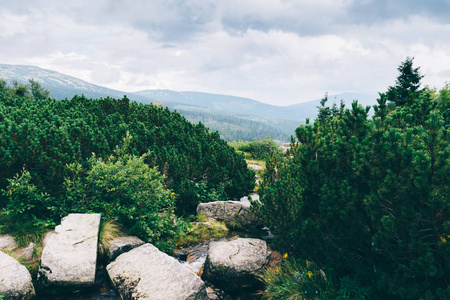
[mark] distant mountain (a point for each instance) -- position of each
(61, 86)
(234, 117)
(298, 112)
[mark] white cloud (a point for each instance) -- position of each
(274, 51)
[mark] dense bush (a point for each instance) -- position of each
(369, 198)
(46, 136)
(260, 149)
(125, 189)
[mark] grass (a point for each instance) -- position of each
(202, 230)
(24, 233)
(294, 279)
(109, 230)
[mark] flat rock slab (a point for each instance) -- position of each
(15, 280)
(234, 265)
(120, 245)
(69, 257)
(147, 273)
(228, 211)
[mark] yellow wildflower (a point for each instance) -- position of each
(310, 274)
(443, 239)
(278, 271)
(308, 263)
(285, 255)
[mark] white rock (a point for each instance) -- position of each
(147, 273)
(8, 243)
(233, 265)
(69, 257)
(15, 280)
(228, 211)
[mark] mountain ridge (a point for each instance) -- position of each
(278, 122)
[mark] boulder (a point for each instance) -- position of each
(234, 265)
(69, 257)
(120, 245)
(15, 280)
(147, 273)
(8, 243)
(228, 211)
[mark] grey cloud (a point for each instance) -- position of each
(372, 11)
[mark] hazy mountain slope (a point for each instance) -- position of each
(298, 112)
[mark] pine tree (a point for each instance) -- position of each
(407, 84)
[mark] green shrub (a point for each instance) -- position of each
(260, 149)
(47, 135)
(125, 189)
(294, 279)
(369, 198)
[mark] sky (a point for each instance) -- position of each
(279, 52)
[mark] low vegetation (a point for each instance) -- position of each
(141, 165)
(202, 230)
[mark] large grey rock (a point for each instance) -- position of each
(120, 245)
(8, 243)
(15, 280)
(233, 265)
(228, 211)
(147, 273)
(69, 257)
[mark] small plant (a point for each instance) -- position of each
(294, 279)
(109, 230)
(24, 201)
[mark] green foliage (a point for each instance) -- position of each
(326, 112)
(259, 149)
(38, 91)
(24, 202)
(47, 136)
(194, 232)
(407, 85)
(294, 279)
(31, 91)
(122, 188)
(369, 198)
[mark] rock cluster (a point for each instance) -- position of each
(138, 270)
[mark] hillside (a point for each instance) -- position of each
(236, 118)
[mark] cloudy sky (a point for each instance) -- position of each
(276, 51)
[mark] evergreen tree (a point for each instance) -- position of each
(37, 90)
(407, 84)
(369, 198)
